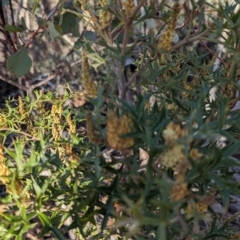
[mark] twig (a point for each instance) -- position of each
(51, 76)
(14, 83)
(19, 132)
(124, 92)
(34, 34)
(32, 87)
(202, 42)
(20, 5)
(189, 18)
(125, 38)
(135, 11)
(191, 39)
(80, 37)
(234, 63)
(128, 23)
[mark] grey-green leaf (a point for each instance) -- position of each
(5, 2)
(13, 28)
(19, 63)
(52, 31)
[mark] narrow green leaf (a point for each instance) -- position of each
(36, 187)
(13, 28)
(162, 233)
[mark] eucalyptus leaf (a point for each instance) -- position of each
(52, 31)
(19, 63)
(13, 28)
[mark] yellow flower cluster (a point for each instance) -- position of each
(116, 128)
(40, 104)
(200, 208)
(173, 132)
(3, 121)
(55, 114)
(128, 7)
(179, 191)
(22, 112)
(195, 154)
(83, 3)
(40, 107)
(5, 175)
(214, 58)
(235, 236)
(19, 187)
(190, 87)
(92, 134)
(105, 16)
(165, 41)
(230, 92)
(187, 86)
(66, 153)
(174, 157)
(79, 99)
(4, 171)
(21, 106)
(89, 86)
(72, 127)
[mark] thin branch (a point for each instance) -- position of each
(14, 83)
(34, 34)
(19, 132)
(124, 92)
(234, 62)
(51, 76)
(125, 38)
(190, 18)
(191, 39)
(135, 11)
(21, 6)
(128, 23)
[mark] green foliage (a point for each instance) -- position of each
(158, 180)
(19, 63)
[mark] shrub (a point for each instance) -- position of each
(145, 147)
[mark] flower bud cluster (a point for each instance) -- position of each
(89, 86)
(116, 128)
(128, 6)
(105, 16)
(165, 40)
